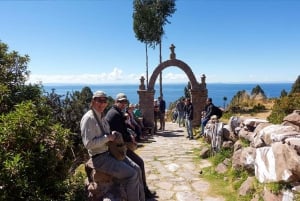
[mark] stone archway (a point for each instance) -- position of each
(198, 91)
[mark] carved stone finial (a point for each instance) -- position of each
(172, 55)
(142, 84)
(203, 78)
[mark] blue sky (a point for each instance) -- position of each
(93, 42)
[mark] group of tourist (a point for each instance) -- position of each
(97, 129)
(183, 115)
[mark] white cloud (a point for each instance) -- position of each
(115, 76)
(175, 77)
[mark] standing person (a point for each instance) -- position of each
(180, 111)
(156, 114)
(208, 112)
(95, 133)
(162, 110)
(116, 120)
(188, 114)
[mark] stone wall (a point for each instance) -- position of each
(273, 154)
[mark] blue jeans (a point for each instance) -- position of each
(180, 118)
(188, 124)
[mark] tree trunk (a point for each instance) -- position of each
(160, 75)
(147, 65)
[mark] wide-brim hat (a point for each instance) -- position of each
(99, 94)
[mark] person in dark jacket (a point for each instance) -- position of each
(188, 116)
(208, 112)
(162, 111)
(116, 119)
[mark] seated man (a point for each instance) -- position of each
(138, 115)
(116, 120)
(95, 133)
(136, 126)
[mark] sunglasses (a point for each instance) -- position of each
(123, 101)
(100, 100)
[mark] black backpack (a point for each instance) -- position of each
(217, 111)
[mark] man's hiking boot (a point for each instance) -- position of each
(149, 193)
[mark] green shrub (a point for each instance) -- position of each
(284, 106)
(32, 151)
(221, 156)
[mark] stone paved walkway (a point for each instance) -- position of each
(171, 169)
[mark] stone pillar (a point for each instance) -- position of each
(198, 98)
(146, 99)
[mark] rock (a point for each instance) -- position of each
(227, 145)
(252, 123)
(278, 163)
(273, 133)
(205, 152)
(293, 118)
(237, 145)
(247, 186)
(247, 135)
(269, 196)
(221, 168)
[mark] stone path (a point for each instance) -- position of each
(171, 169)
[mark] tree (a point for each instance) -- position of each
(224, 99)
(258, 90)
(187, 90)
(144, 26)
(296, 86)
(13, 74)
(165, 9)
(35, 147)
(149, 18)
(286, 104)
(283, 93)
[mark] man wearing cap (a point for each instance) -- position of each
(162, 110)
(95, 133)
(116, 120)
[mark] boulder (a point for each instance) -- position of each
(246, 135)
(293, 119)
(273, 133)
(294, 142)
(234, 122)
(278, 163)
(243, 159)
(247, 186)
(252, 123)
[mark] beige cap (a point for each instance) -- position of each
(121, 97)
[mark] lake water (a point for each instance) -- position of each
(217, 91)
